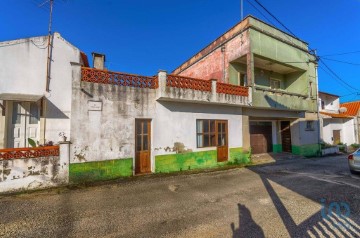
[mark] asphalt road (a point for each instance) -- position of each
(290, 198)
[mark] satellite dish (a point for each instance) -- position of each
(342, 109)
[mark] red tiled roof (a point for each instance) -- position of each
(84, 59)
(335, 115)
(352, 108)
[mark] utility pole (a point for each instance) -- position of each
(316, 62)
(48, 66)
(49, 53)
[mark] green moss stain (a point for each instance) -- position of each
(100, 170)
(306, 150)
(277, 148)
(197, 160)
(239, 156)
(186, 161)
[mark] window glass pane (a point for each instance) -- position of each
(138, 143)
(212, 139)
(221, 139)
(145, 128)
(206, 140)
(223, 127)
(200, 140)
(212, 126)
(199, 126)
(275, 84)
(34, 113)
(145, 142)
(138, 127)
(206, 126)
(16, 113)
(219, 128)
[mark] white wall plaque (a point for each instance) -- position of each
(94, 105)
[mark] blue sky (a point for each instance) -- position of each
(143, 36)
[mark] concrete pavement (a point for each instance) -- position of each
(289, 198)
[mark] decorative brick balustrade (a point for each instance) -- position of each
(232, 89)
(121, 79)
(188, 83)
(24, 153)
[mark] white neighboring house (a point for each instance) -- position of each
(337, 126)
(27, 108)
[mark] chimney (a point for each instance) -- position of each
(98, 60)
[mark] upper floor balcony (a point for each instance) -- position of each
(276, 85)
(173, 87)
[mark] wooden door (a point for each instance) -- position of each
(286, 136)
(222, 141)
(142, 146)
(260, 137)
(336, 137)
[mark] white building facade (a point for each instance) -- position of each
(337, 126)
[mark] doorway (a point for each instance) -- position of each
(261, 137)
(222, 141)
(336, 137)
(286, 136)
(24, 124)
(142, 146)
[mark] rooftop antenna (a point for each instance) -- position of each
(242, 9)
(49, 46)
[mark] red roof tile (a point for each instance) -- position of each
(335, 115)
(352, 108)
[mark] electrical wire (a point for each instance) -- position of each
(339, 80)
(345, 53)
(257, 9)
(263, 7)
(346, 95)
(340, 61)
(337, 76)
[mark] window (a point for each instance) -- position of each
(241, 79)
(322, 104)
(34, 113)
(211, 133)
(274, 84)
(16, 113)
(309, 126)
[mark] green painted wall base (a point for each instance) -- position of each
(277, 148)
(306, 150)
(198, 160)
(100, 170)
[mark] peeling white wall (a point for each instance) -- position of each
(35, 173)
(110, 132)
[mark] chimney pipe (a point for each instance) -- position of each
(98, 60)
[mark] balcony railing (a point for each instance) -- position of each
(120, 79)
(232, 89)
(24, 153)
(177, 81)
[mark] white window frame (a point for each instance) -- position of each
(275, 80)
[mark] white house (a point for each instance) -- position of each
(32, 104)
(337, 125)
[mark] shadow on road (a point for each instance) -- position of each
(330, 221)
(247, 225)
